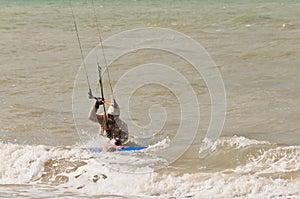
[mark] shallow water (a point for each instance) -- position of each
(255, 46)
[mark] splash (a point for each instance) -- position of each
(269, 171)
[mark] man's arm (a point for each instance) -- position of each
(93, 112)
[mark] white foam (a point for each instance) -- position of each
(25, 163)
(96, 142)
(257, 178)
(241, 142)
(19, 165)
(160, 145)
(208, 146)
(272, 161)
(218, 185)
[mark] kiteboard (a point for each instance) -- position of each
(116, 148)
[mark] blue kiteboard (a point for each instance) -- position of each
(115, 148)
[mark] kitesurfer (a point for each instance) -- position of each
(111, 125)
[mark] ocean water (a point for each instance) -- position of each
(43, 103)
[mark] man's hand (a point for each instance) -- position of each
(99, 102)
(118, 142)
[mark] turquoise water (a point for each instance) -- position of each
(255, 46)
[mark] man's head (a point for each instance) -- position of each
(112, 110)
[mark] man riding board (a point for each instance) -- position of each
(111, 125)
